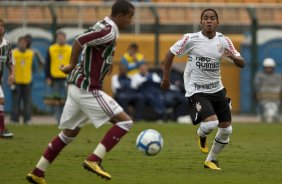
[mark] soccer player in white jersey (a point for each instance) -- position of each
(5, 59)
(85, 99)
(207, 96)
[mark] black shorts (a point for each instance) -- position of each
(203, 105)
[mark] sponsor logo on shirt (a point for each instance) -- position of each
(182, 46)
(204, 64)
(206, 86)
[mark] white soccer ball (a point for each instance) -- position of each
(150, 142)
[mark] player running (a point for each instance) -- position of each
(85, 100)
(5, 59)
(207, 96)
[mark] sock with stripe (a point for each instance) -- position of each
(220, 141)
(51, 152)
(111, 138)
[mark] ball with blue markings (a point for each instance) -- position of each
(150, 142)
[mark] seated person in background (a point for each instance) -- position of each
(175, 101)
(174, 97)
(132, 59)
(268, 85)
(148, 83)
(125, 95)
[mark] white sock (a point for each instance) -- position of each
(42, 164)
(100, 151)
(215, 150)
(220, 141)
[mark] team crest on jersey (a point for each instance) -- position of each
(112, 102)
(198, 107)
(220, 48)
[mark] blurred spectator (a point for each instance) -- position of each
(127, 96)
(268, 85)
(37, 55)
(21, 91)
(175, 101)
(58, 54)
(174, 97)
(132, 59)
(148, 83)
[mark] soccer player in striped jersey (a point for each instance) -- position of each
(5, 59)
(203, 85)
(85, 99)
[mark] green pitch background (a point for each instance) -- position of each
(254, 156)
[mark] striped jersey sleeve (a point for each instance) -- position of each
(230, 47)
(98, 35)
(182, 46)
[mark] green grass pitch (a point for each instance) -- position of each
(254, 156)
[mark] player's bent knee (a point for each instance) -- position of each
(227, 131)
(208, 127)
(223, 135)
(65, 138)
(125, 125)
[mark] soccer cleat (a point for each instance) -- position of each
(35, 179)
(213, 164)
(6, 134)
(202, 143)
(96, 168)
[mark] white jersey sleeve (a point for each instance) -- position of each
(228, 45)
(182, 46)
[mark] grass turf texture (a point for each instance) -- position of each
(253, 156)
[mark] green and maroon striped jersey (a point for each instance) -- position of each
(5, 56)
(98, 44)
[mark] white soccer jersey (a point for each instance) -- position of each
(202, 71)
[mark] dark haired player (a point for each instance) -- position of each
(5, 59)
(85, 100)
(203, 85)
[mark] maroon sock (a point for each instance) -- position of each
(94, 158)
(2, 125)
(54, 148)
(112, 137)
(51, 152)
(38, 172)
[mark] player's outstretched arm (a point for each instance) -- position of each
(76, 50)
(238, 60)
(165, 84)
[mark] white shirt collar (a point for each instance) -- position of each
(204, 37)
(113, 24)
